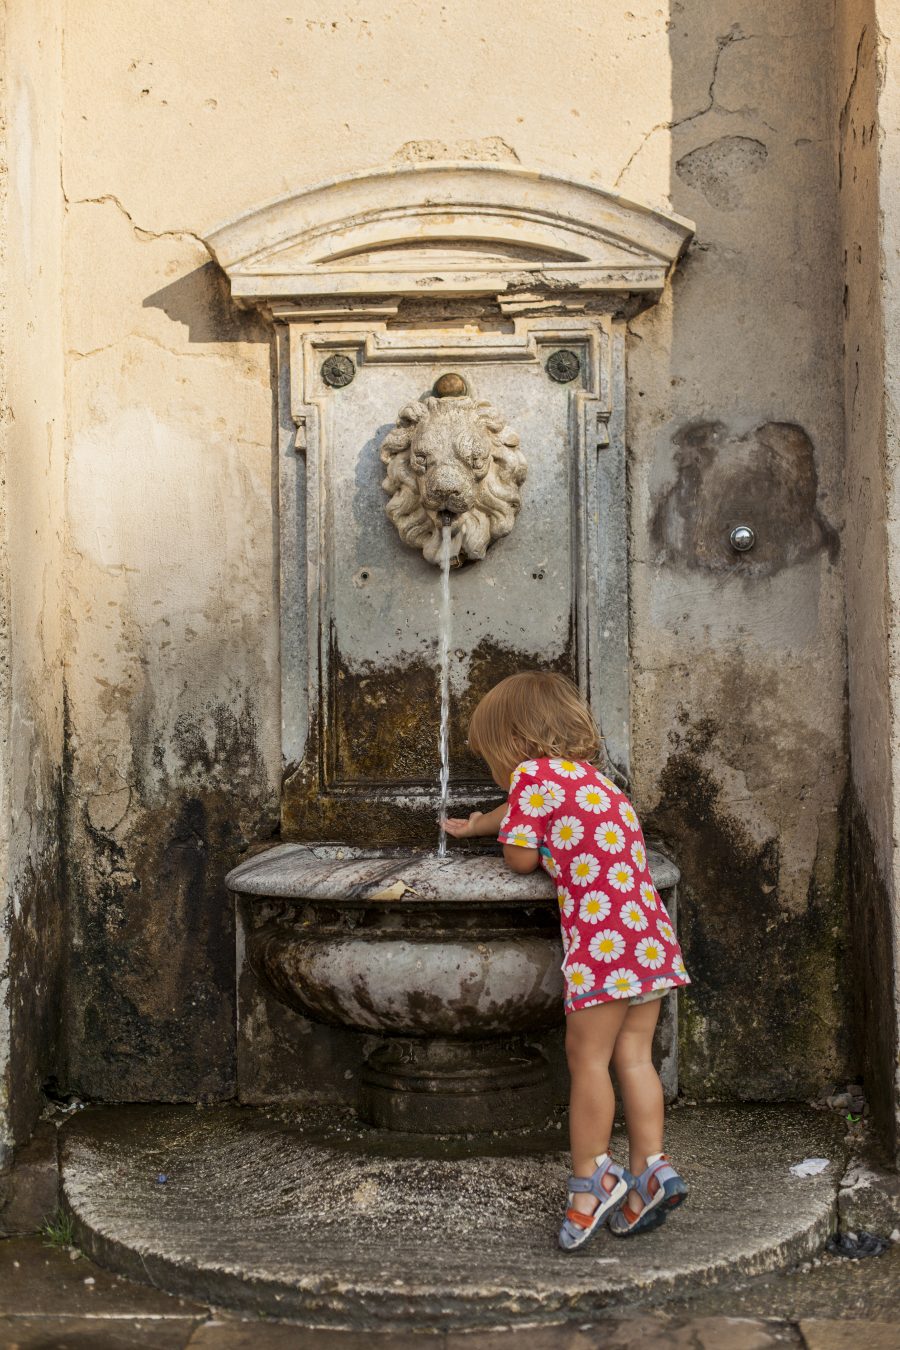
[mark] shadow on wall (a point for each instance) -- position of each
(201, 300)
(751, 787)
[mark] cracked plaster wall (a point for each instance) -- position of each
(719, 110)
(735, 415)
(31, 524)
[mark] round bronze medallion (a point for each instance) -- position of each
(338, 370)
(563, 366)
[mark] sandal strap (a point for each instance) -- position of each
(581, 1220)
(661, 1169)
(593, 1185)
(578, 1185)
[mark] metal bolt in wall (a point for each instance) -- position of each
(742, 538)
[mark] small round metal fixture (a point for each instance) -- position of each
(338, 370)
(742, 538)
(450, 385)
(563, 366)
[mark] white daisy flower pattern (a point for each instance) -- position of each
(590, 797)
(633, 916)
(584, 869)
(567, 832)
(528, 768)
(571, 940)
(627, 813)
(534, 801)
(665, 930)
(594, 907)
(648, 894)
(567, 768)
(650, 953)
(622, 983)
(607, 945)
(619, 941)
(621, 877)
(579, 977)
(609, 837)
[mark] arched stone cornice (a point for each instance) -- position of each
(451, 229)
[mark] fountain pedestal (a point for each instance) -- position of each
(452, 1087)
(453, 963)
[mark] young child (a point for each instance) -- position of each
(537, 735)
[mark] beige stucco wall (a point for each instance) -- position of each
(175, 118)
(32, 441)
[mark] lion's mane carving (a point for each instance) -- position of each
(453, 457)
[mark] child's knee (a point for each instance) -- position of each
(583, 1049)
(632, 1052)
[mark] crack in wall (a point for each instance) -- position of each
(844, 119)
(723, 42)
(153, 342)
(139, 230)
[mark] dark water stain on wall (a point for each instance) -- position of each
(766, 478)
(763, 1017)
(151, 999)
(36, 941)
(873, 981)
(380, 741)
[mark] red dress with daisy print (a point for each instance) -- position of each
(617, 937)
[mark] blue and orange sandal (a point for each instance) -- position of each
(578, 1227)
(661, 1189)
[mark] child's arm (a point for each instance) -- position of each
(479, 824)
(521, 859)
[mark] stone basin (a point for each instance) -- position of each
(455, 960)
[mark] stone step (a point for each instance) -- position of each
(307, 1215)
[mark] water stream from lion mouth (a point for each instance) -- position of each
(444, 663)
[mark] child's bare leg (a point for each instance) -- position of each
(642, 1094)
(590, 1038)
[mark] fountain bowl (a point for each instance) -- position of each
(454, 961)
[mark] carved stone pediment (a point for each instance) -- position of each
(448, 229)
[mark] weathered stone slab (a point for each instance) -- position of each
(827, 1334)
(869, 1200)
(93, 1333)
(37, 1280)
(353, 1227)
(29, 1190)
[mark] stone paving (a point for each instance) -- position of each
(55, 1299)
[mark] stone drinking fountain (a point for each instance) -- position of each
(451, 369)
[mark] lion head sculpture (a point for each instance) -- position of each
(452, 461)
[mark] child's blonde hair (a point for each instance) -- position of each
(529, 716)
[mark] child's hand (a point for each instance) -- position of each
(463, 829)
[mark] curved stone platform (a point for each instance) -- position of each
(314, 1218)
